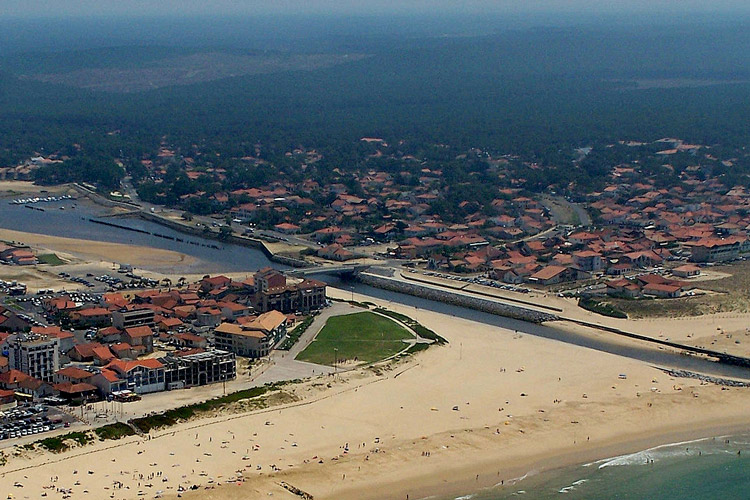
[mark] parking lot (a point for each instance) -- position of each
(476, 280)
(28, 420)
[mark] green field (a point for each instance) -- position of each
(364, 336)
(51, 259)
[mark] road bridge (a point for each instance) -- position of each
(340, 270)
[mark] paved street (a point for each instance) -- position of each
(283, 365)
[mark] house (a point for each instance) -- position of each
(108, 381)
(169, 324)
(102, 355)
(619, 269)
(72, 374)
(385, 232)
(686, 271)
(335, 252)
(109, 335)
(142, 375)
(254, 338)
(582, 238)
(75, 393)
(123, 350)
(140, 336)
(232, 310)
(18, 381)
(12, 378)
(623, 287)
(268, 278)
(189, 340)
(587, 260)
(717, 250)
(11, 322)
(83, 352)
(210, 283)
(287, 228)
(551, 275)
(7, 399)
(93, 316)
(646, 258)
(233, 338)
(208, 316)
(272, 323)
(273, 293)
(662, 290)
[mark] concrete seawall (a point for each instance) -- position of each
(476, 303)
(237, 240)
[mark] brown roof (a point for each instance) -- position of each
(74, 373)
(126, 366)
(13, 377)
(70, 388)
(139, 331)
(549, 272)
(94, 311)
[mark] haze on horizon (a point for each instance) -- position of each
(185, 8)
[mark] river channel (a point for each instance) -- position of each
(73, 221)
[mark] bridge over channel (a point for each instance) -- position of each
(340, 270)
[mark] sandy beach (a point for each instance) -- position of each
(491, 404)
(98, 252)
(721, 332)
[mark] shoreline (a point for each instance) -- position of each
(434, 486)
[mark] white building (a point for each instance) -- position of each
(35, 355)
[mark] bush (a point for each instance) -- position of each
(296, 333)
(58, 444)
(420, 330)
(601, 308)
(171, 417)
(114, 431)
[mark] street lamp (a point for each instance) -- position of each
(335, 358)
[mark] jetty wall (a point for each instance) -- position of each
(235, 239)
(457, 299)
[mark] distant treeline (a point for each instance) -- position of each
(536, 93)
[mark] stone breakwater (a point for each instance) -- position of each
(235, 239)
(706, 378)
(457, 299)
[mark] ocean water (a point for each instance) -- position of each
(705, 469)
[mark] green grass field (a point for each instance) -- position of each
(363, 336)
(51, 259)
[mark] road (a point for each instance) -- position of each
(284, 366)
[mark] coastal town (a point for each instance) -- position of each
(106, 342)
(650, 226)
(72, 349)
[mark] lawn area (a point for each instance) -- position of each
(365, 336)
(51, 259)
